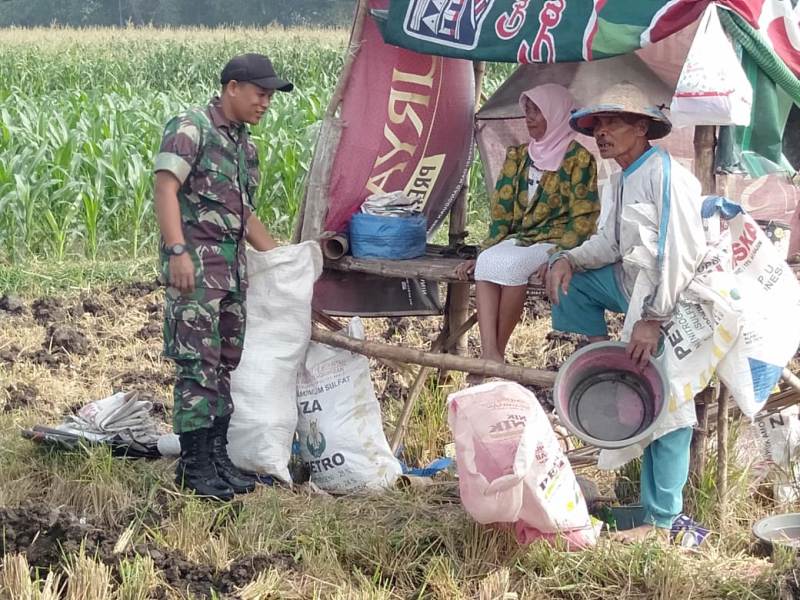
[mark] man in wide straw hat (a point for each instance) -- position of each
(654, 220)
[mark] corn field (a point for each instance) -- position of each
(81, 117)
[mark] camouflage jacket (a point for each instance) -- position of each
(217, 165)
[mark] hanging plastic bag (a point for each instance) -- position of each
(712, 88)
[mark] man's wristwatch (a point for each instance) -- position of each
(176, 249)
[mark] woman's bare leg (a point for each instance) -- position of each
(487, 296)
(511, 305)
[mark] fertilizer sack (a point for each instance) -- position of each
(769, 449)
(511, 467)
(277, 336)
(739, 317)
(768, 296)
(339, 421)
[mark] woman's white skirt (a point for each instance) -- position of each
(508, 264)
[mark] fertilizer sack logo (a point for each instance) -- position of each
(315, 440)
(453, 23)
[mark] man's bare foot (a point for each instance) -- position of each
(642, 533)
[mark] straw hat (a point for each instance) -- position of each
(625, 98)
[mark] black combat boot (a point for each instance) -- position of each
(195, 470)
(240, 482)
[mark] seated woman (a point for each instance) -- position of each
(545, 200)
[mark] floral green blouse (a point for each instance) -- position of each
(565, 207)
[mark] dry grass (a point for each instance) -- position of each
(122, 532)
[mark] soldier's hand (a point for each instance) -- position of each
(181, 273)
(558, 277)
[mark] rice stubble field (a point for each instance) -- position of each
(81, 113)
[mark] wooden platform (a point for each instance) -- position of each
(432, 267)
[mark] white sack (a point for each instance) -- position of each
(769, 448)
(339, 421)
(277, 336)
(769, 301)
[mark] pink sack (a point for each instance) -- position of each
(511, 467)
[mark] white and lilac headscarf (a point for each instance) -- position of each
(556, 104)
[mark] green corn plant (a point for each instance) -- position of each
(92, 197)
(77, 141)
(60, 219)
(25, 209)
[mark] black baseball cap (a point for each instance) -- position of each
(257, 69)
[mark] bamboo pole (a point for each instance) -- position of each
(314, 206)
(486, 368)
(421, 378)
(697, 454)
(704, 144)
(457, 303)
(315, 203)
(333, 325)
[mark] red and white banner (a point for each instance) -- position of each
(408, 126)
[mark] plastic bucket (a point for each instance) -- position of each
(603, 398)
(783, 530)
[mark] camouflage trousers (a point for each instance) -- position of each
(204, 337)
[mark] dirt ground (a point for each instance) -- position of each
(59, 353)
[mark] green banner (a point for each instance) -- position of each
(757, 149)
(534, 31)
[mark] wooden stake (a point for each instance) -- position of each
(704, 143)
(697, 452)
(487, 368)
(457, 304)
(314, 205)
(422, 377)
(722, 454)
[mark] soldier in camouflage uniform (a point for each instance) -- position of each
(206, 177)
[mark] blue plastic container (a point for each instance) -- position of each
(396, 238)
